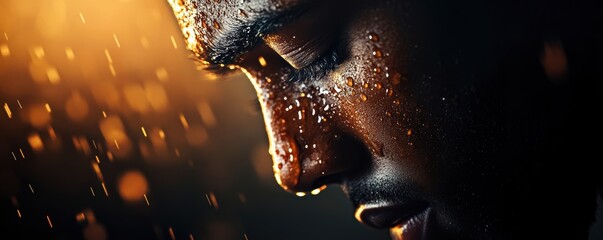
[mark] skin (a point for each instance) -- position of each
(466, 117)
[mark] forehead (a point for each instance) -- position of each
(214, 28)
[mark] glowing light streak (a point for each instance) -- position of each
(146, 199)
(49, 222)
(108, 55)
(183, 121)
(174, 42)
(8, 111)
(116, 40)
(82, 18)
(105, 189)
(172, 235)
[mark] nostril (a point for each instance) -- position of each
(332, 163)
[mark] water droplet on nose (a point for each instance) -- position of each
(409, 132)
(349, 81)
(363, 97)
(378, 86)
(365, 85)
(280, 165)
(373, 37)
(389, 92)
(377, 53)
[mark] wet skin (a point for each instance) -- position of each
(438, 120)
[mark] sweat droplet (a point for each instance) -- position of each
(349, 81)
(377, 53)
(363, 97)
(262, 61)
(373, 37)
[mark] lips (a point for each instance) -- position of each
(405, 221)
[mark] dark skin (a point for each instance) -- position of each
(439, 120)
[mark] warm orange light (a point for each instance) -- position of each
(132, 186)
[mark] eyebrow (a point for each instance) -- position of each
(240, 36)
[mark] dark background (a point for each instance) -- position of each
(203, 165)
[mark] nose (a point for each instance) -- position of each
(308, 150)
(308, 147)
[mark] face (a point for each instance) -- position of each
(438, 120)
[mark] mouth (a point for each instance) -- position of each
(404, 221)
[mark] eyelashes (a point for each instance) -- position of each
(302, 49)
(316, 70)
